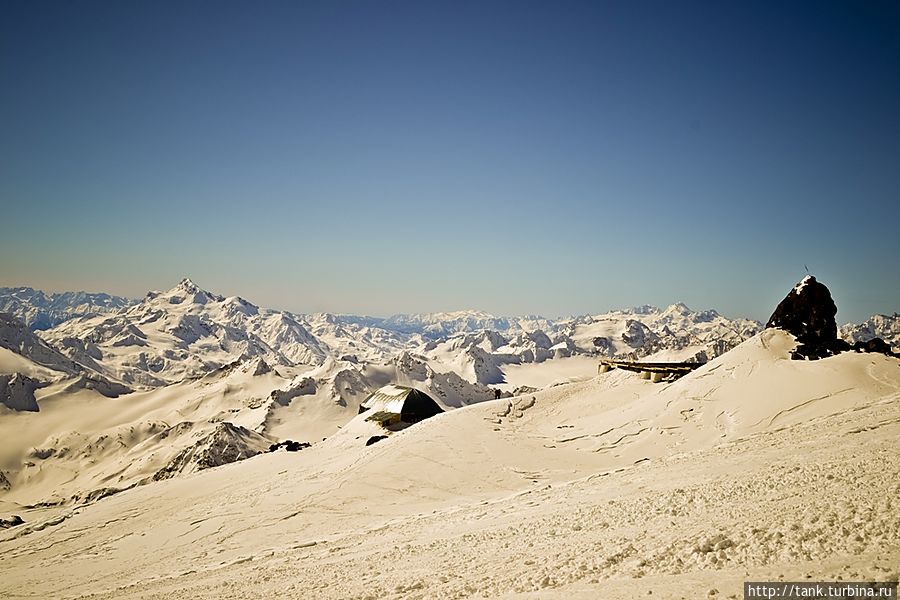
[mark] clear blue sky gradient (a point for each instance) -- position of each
(518, 157)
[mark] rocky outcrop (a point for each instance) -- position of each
(884, 327)
(17, 392)
(98, 383)
(15, 336)
(638, 335)
(290, 446)
(303, 386)
(876, 345)
(11, 522)
(227, 443)
(808, 312)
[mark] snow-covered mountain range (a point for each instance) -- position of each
(187, 332)
(39, 310)
(182, 384)
(200, 379)
(750, 464)
(886, 327)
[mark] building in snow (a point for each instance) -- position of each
(399, 404)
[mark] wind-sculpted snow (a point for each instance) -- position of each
(752, 467)
(89, 441)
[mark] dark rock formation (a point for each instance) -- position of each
(7, 523)
(374, 439)
(227, 443)
(874, 345)
(17, 392)
(808, 313)
(290, 446)
(95, 495)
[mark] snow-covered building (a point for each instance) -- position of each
(396, 403)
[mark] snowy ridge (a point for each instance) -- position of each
(444, 324)
(43, 311)
(18, 338)
(183, 333)
(886, 327)
(187, 332)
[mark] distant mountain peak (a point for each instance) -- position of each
(188, 286)
(189, 292)
(678, 308)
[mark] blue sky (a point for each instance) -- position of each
(517, 157)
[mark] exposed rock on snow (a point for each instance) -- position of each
(808, 312)
(15, 336)
(303, 386)
(17, 392)
(289, 445)
(227, 443)
(638, 335)
(877, 345)
(12, 522)
(91, 381)
(885, 327)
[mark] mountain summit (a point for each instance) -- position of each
(808, 313)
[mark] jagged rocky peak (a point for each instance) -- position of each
(188, 286)
(17, 392)
(808, 312)
(190, 292)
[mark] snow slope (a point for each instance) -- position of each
(83, 442)
(751, 467)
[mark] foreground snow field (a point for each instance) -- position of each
(753, 467)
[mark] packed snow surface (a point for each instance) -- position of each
(752, 467)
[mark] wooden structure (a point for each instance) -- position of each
(654, 371)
